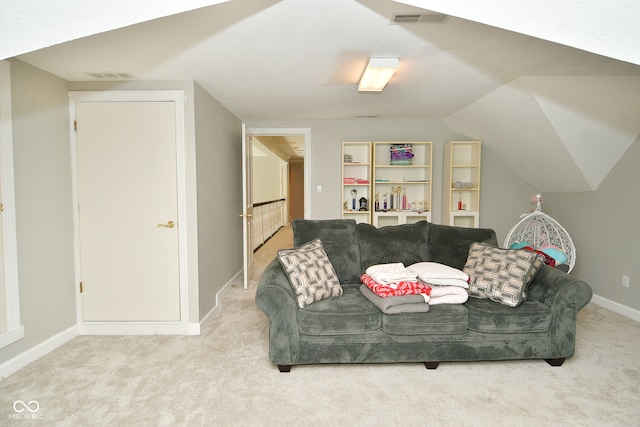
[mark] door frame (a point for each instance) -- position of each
(306, 132)
(247, 205)
(181, 327)
(9, 283)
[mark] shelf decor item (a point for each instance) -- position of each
(542, 233)
(401, 154)
(356, 180)
(401, 173)
(364, 205)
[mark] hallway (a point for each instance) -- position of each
(282, 239)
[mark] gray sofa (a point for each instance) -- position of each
(350, 329)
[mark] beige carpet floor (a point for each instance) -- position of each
(224, 378)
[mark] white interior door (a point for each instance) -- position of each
(127, 211)
(247, 205)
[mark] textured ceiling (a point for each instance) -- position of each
(558, 116)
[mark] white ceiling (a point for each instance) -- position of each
(286, 147)
(559, 117)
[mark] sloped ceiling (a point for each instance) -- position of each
(559, 133)
(559, 116)
(608, 28)
(28, 25)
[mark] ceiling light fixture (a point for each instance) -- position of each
(377, 74)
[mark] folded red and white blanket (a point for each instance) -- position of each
(399, 288)
(391, 273)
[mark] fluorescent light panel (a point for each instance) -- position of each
(377, 74)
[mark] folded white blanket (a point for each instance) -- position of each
(448, 295)
(448, 282)
(435, 273)
(388, 274)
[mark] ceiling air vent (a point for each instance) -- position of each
(412, 18)
(111, 76)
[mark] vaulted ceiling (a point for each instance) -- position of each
(559, 116)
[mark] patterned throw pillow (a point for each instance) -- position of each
(310, 273)
(501, 275)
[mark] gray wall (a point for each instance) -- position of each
(603, 223)
(42, 163)
(44, 229)
(504, 195)
(604, 227)
(219, 174)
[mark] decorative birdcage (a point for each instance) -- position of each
(540, 231)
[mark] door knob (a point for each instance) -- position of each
(245, 215)
(170, 224)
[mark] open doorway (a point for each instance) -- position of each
(292, 146)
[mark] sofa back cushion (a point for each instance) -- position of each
(450, 245)
(406, 243)
(340, 241)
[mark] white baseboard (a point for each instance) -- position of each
(113, 328)
(9, 337)
(616, 307)
(208, 318)
(34, 353)
(133, 328)
(194, 328)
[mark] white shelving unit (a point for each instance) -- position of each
(461, 191)
(401, 187)
(356, 181)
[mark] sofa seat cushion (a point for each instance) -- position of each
(443, 319)
(492, 317)
(350, 313)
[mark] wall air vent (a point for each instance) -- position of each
(413, 18)
(111, 76)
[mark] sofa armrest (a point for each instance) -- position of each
(275, 298)
(566, 296)
(551, 286)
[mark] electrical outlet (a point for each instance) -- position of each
(625, 281)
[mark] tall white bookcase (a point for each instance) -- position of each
(461, 191)
(401, 186)
(356, 181)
